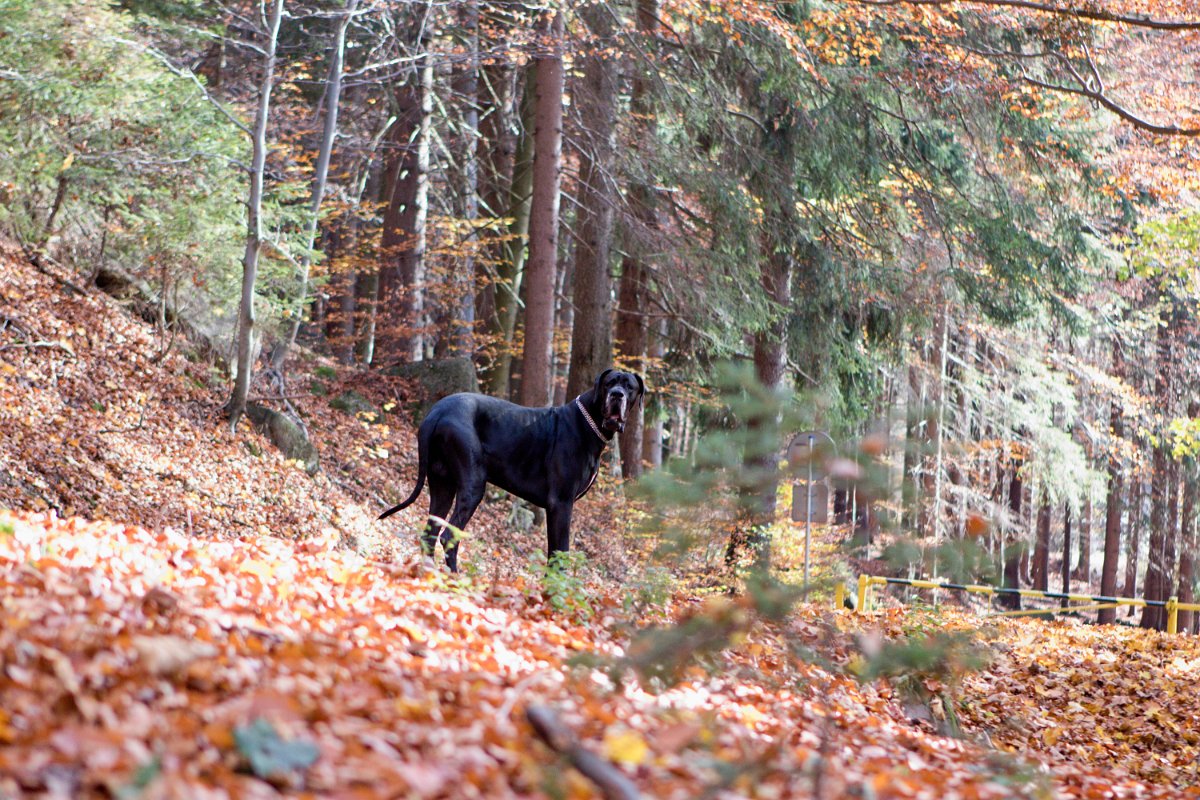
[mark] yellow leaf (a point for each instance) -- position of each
(1051, 736)
(261, 569)
(626, 747)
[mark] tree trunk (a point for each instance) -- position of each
(511, 272)
(1133, 522)
(495, 153)
(654, 414)
(1187, 543)
(1112, 506)
(1083, 569)
(402, 244)
(466, 87)
(1066, 562)
(333, 94)
(595, 97)
(1157, 581)
(1041, 550)
(632, 293)
(1012, 559)
(536, 357)
(247, 335)
(909, 487)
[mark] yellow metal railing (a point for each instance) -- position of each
(1093, 602)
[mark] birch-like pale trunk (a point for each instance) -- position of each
(333, 91)
(246, 322)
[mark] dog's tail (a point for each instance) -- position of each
(422, 458)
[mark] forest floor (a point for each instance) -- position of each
(186, 614)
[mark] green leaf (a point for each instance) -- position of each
(268, 755)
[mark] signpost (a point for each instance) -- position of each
(816, 496)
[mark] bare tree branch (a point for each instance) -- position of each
(1116, 108)
(1089, 13)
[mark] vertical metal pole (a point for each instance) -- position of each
(808, 511)
(839, 595)
(863, 586)
(1173, 615)
(854, 521)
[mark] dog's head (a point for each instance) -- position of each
(614, 396)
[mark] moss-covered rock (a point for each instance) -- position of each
(437, 378)
(354, 404)
(286, 435)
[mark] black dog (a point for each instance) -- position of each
(548, 456)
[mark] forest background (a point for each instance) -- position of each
(962, 234)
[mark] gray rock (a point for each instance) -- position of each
(354, 404)
(437, 378)
(286, 435)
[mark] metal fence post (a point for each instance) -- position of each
(839, 595)
(1173, 615)
(863, 586)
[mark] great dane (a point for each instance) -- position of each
(547, 456)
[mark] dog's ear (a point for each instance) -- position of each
(599, 382)
(641, 387)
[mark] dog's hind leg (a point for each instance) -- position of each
(441, 498)
(468, 499)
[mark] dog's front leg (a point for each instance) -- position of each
(558, 528)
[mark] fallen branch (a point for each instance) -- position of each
(611, 782)
(49, 345)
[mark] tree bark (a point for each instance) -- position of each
(1187, 544)
(536, 357)
(596, 97)
(1133, 515)
(909, 486)
(1066, 562)
(632, 332)
(511, 272)
(1112, 506)
(1012, 560)
(247, 335)
(466, 86)
(1041, 550)
(1157, 569)
(495, 154)
(1083, 567)
(654, 414)
(402, 245)
(333, 94)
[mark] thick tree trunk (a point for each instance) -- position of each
(247, 335)
(403, 240)
(1012, 559)
(1041, 550)
(632, 292)
(595, 97)
(1112, 507)
(536, 357)
(510, 274)
(495, 154)
(1157, 581)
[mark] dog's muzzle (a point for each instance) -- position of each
(614, 413)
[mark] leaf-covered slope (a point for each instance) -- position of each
(96, 420)
(1122, 700)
